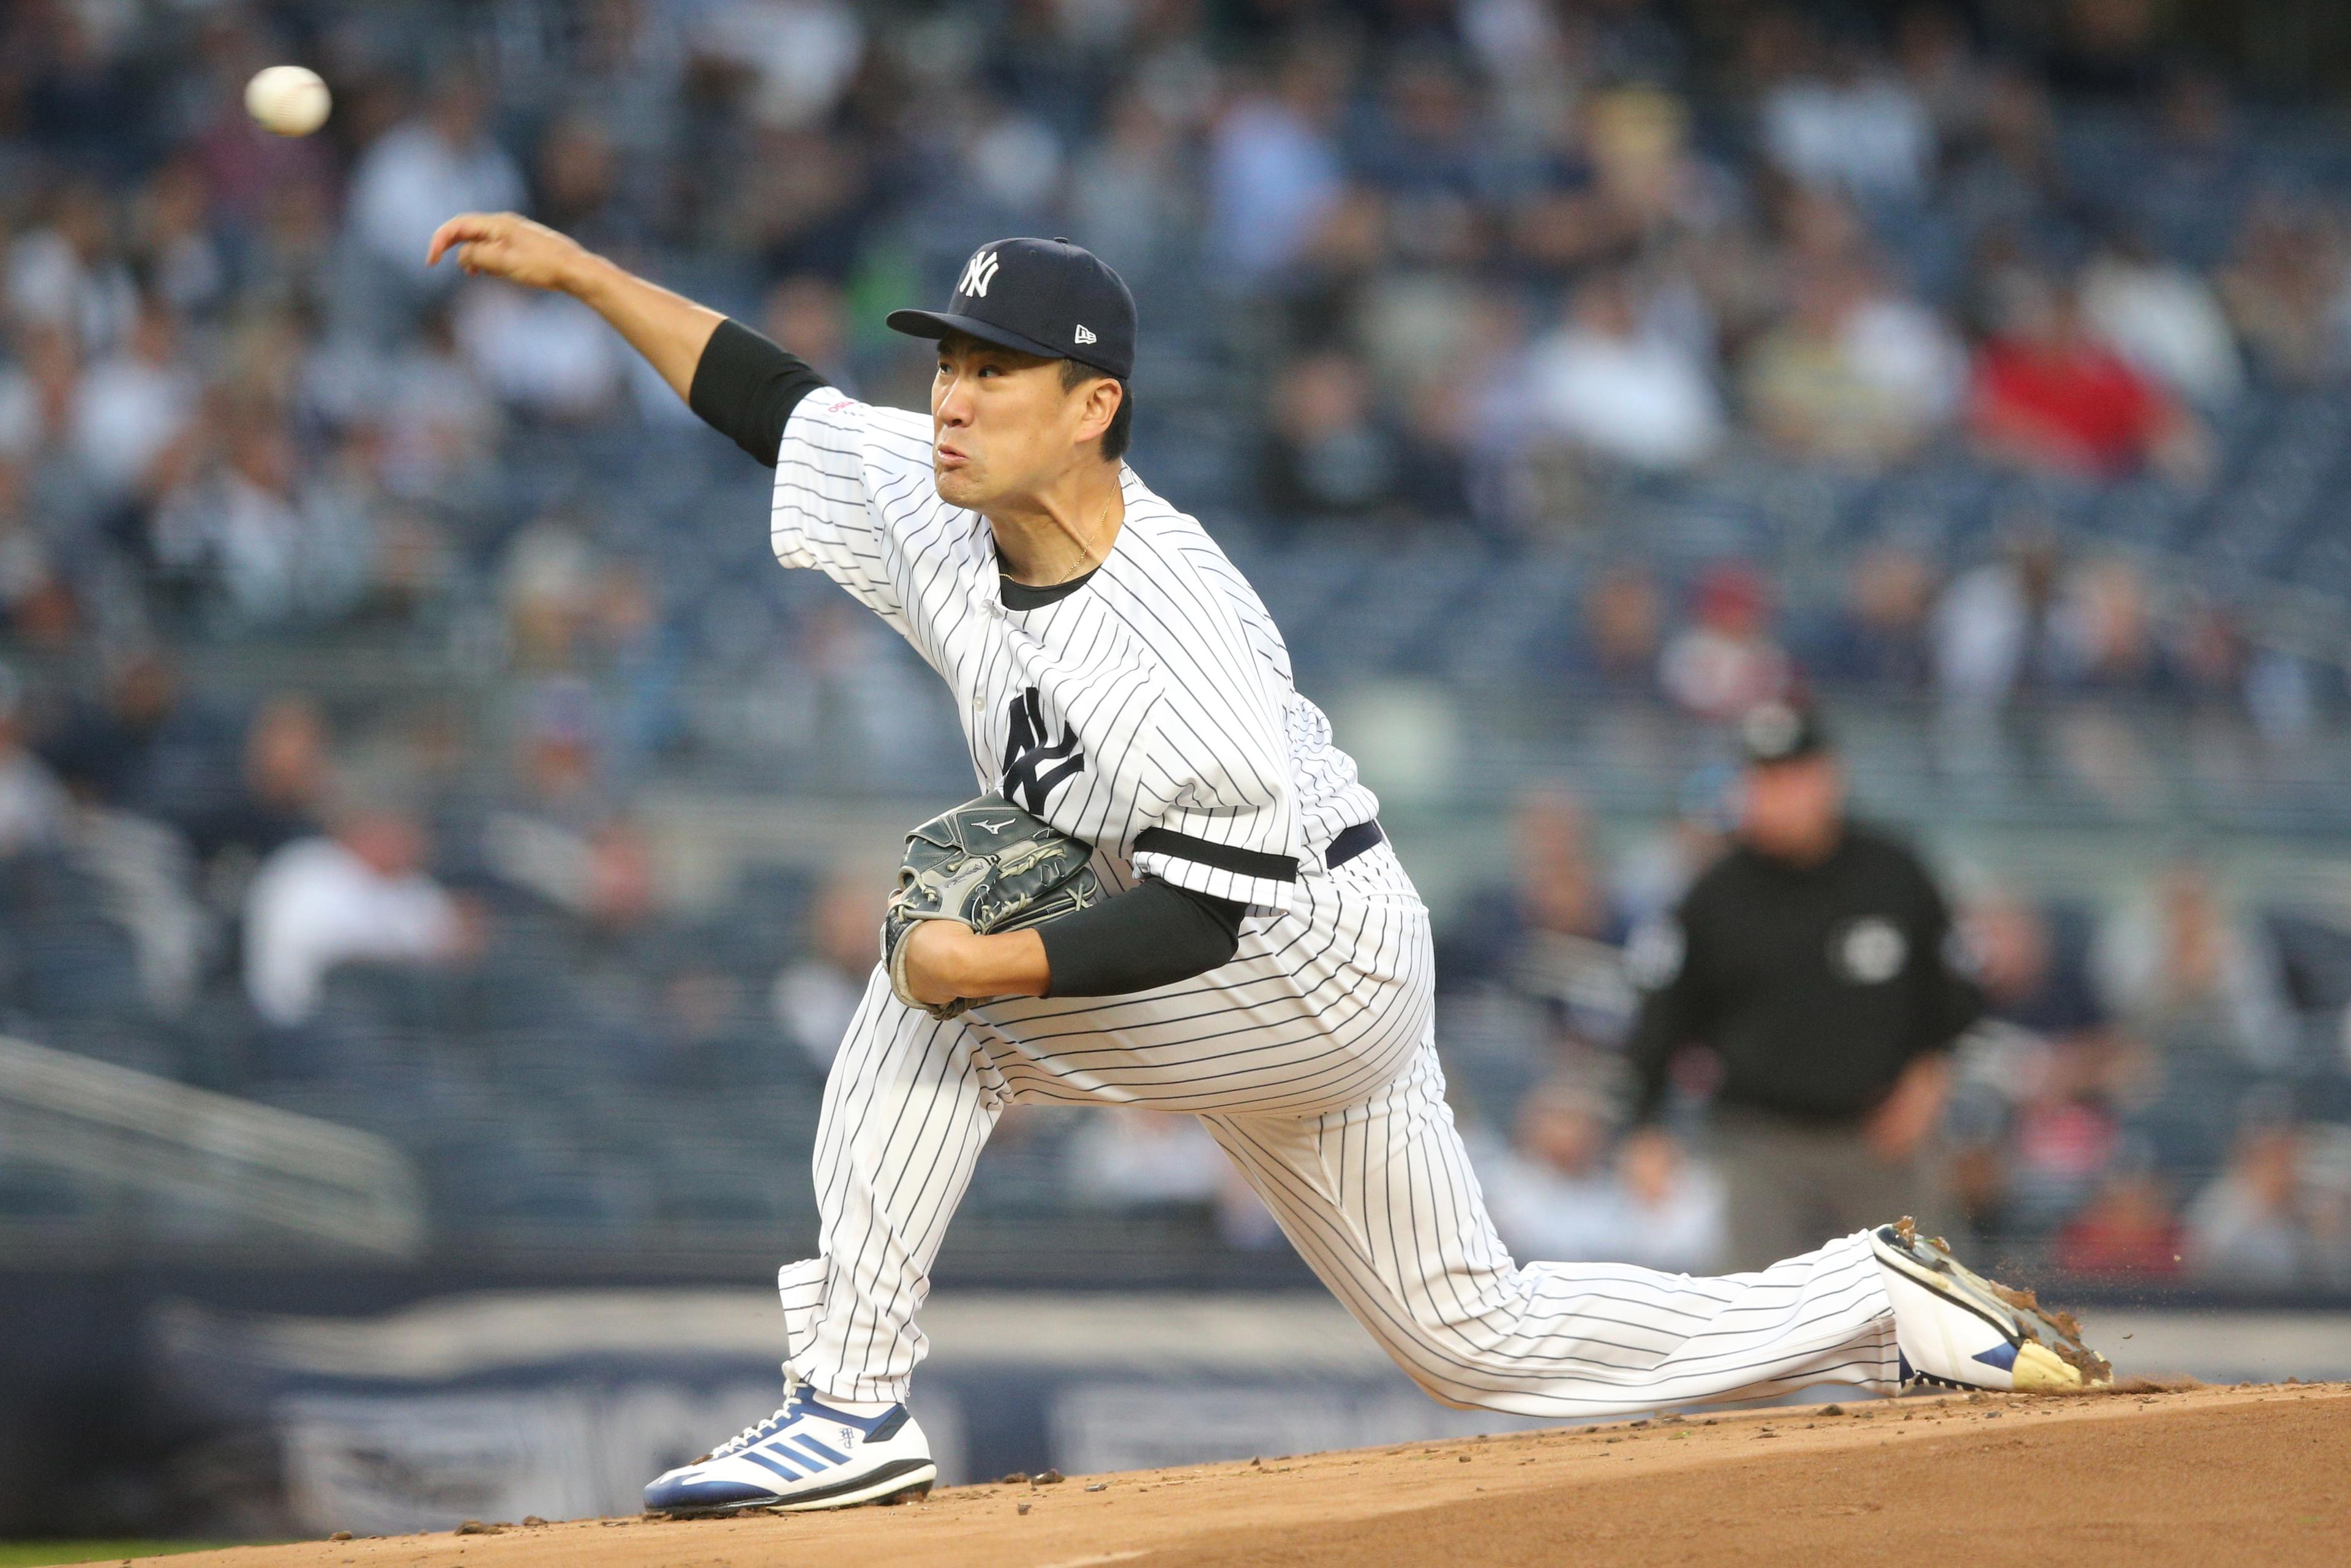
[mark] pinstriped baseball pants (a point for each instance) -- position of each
(1310, 1058)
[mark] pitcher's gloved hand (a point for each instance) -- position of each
(989, 865)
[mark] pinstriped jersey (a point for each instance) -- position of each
(1150, 713)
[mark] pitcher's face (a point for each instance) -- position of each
(1004, 425)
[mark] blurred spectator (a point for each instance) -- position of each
(1274, 173)
(33, 804)
(558, 760)
(803, 202)
(2067, 1137)
(1646, 182)
(2048, 396)
(1991, 626)
(1424, 154)
(1556, 1193)
(1881, 636)
(1126, 1157)
(798, 55)
(1727, 661)
(2009, 179)
(173, 239)
(1855, 126)
(2128, 1227)
(2272, 1220)
(2284, 290)
(139, 746)
(259, 541)
(2165, 320)
(1553, 929)
(1854, 376)
(545, 355)
(435, 424)
(2026, 979)
(575, 180)
(2101, 630)
(131, 408)
(1130, 200)
(360, 894)
(1326, 455)
(1623, 627)
(37, 602)
(1932, 50)
(422, 171)
(66, 274)
(1606, 384)
(698, 1037)
(1613, 172)
(806, 314)
(600, 874)
(280, 790)
(1655, 872)
(23, 422)
(1129, 1157)
(816, 995)
(2193, 973)
(550, 590)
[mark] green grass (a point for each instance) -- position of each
(41, 1554)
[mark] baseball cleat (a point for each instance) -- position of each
(1958, 1330)
(805, 1456)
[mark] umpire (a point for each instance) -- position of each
(1812, 960)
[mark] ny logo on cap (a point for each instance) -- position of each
(976, 273)
(1085, 336)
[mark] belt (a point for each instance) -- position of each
(1350, 842)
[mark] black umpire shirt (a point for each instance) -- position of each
(1815, 985)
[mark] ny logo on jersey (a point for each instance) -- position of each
(1028, 777)
(977, 274)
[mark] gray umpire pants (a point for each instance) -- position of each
(1793, 1183)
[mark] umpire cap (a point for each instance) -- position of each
(1042, 296)
(1780, 732)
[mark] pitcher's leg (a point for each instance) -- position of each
(1380, 1200)
(909, 1104)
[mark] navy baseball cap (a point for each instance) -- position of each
(1042, 296)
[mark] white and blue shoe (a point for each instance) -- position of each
(1955, 1329)
(807, 1455)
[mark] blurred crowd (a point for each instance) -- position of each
(2160, 1087)
(346, 608)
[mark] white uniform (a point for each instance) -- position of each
(1150, 714)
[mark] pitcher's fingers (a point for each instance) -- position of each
(463, 227)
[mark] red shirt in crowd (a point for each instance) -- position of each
(2074, 403)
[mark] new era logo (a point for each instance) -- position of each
(1085, 336)
(976, 273)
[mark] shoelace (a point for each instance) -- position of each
(749, 1435)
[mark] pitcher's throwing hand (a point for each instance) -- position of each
(509, 246)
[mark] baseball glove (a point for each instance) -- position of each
(990, 865)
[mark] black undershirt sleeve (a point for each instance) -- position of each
(745, 387)
(1154, 934)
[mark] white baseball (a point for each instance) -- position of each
(288, 100)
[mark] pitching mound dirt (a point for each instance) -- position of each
(2193, 1476)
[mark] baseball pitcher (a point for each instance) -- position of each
(1173, 893)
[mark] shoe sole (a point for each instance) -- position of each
(900, 1481)
(2039, 1368)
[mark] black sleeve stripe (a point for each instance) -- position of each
(1221, 857)
(745, 388)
